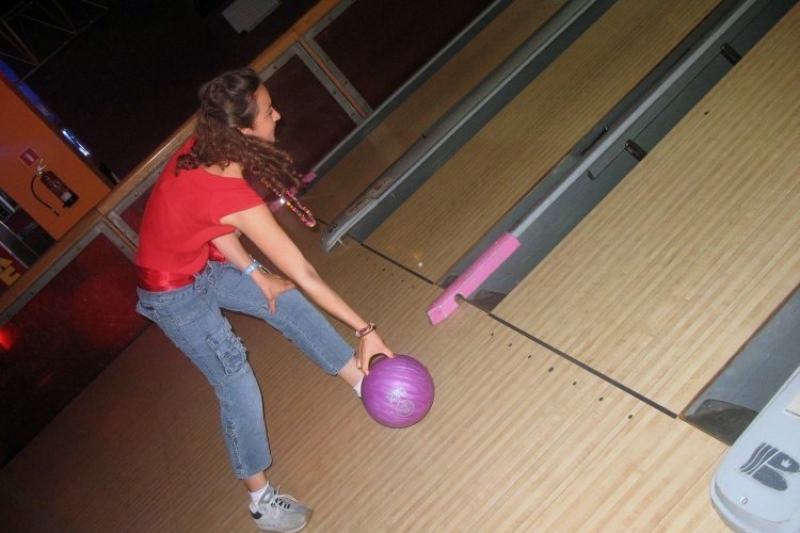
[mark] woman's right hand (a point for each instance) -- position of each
(371, 346)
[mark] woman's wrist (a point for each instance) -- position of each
(366, 330)
(255, 265)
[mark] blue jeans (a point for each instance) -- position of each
(191, 317)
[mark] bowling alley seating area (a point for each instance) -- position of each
(565, 401)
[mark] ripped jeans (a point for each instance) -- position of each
(191, 317)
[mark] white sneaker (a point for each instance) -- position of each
(280, 513)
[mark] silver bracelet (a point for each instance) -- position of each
(252, 268)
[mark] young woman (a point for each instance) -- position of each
(191, 265)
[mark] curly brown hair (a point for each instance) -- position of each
(228, 103)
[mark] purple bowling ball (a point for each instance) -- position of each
(398, 391)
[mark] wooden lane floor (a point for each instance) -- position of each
(507, 157)
(404, 126)
(661, 285)
(519, 439)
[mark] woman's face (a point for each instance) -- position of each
(264, 123)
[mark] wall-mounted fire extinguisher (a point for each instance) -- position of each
(55, 185)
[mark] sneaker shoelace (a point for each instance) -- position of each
(286, 502)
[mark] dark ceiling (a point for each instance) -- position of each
(127, 81)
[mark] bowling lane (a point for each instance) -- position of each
(612, 470)
(404, 126)
(503, 161)
(664, 282)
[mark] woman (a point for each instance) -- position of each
(191, 265)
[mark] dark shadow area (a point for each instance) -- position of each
(53, 348)
(373, 62)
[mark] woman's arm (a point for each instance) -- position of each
(263, 230)
(271, 285)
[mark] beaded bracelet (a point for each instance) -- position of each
(370, 327)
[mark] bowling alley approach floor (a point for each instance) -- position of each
(518, 439)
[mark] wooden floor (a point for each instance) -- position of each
(520, 438)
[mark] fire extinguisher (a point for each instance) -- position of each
(55, 185)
